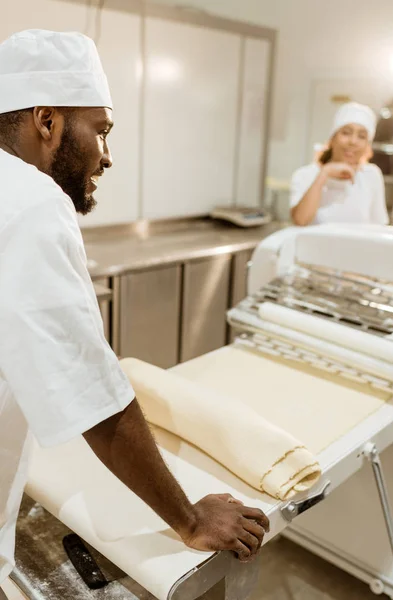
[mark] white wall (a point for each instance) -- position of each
(317, 40)
(118, 44)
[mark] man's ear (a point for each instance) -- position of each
(46, 120)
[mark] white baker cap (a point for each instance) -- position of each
(47, 68)
(360, 114)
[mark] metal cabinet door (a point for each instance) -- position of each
(149, 309)
(239, 281)
(239, 277)
(205, 302)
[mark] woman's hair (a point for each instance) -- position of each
(327, 154)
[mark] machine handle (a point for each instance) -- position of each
(293, 509)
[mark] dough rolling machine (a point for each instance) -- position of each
(314, 346)
(312, 292)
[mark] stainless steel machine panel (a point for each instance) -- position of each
(205, 301)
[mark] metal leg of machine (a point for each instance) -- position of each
(24, 585)
(222, 577)
(372, 454)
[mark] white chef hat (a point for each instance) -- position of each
(360, 114)
(48, 68)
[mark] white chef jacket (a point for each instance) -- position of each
(343, 201)
(58, 375)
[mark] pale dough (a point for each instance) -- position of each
(261, 454)
(314, 407)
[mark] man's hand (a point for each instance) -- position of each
(125, 445)
(223, 523)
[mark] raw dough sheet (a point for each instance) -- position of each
(313, 406)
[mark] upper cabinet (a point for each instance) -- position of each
(190, 118)
(191, 97)
(254, 110)
(118, 193)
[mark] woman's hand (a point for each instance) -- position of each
(304, 212)
(337, 170)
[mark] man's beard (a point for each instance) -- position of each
(69, 171)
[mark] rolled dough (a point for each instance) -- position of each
(261, 454)
(359, 341)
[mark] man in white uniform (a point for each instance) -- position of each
(58, 376)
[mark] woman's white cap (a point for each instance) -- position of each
(48, 68)
(359, 114)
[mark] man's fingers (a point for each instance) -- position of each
(257, 515)
(254, 528)
(250, 541)
(243, 553)
(235, 501)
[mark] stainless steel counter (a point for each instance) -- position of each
(103, 293)
(117, 250)
(196, 267)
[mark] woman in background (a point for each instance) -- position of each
(342, 186)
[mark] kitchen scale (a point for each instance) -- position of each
(241, 216)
